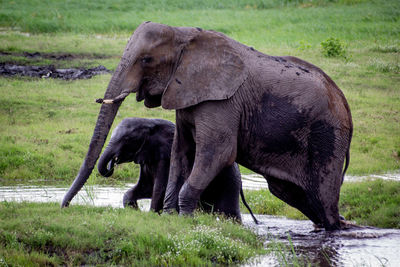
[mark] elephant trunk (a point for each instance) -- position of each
(104, 121)
(106, 162)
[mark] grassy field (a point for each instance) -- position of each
(47, 124)
(33, 234)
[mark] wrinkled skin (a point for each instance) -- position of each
(281, 117)
(148, 142)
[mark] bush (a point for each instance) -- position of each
(333, 47)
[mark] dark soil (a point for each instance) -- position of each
(51, 71)
(55, 56)
(13, 68)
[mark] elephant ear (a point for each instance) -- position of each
(154, 147)
(142, 155)
(209, 69)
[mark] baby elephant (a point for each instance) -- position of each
(148, 142)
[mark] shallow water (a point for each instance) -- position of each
(256, 181)
(357, 247)
(89, 195)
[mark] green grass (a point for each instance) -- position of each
(263, 202)
(33, 234)
(372, 203)
(50, 123)
(121, 16)
(47, 124)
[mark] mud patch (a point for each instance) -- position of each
(53, 56)
(51, 71)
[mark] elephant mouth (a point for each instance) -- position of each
(110, 166)
(152, 101)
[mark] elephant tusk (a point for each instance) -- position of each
(118, 99)
(104, 101)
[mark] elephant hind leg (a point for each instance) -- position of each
(307, 202)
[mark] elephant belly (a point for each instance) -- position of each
(274, 139)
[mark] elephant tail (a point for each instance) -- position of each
(247, 206)
(346, 164)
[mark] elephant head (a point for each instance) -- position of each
(158, 62)
(120, 149)
(139, 140)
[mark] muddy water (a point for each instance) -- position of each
(357, 247)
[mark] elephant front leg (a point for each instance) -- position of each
(182, 155)
(130, 199)
(214, 151)
(143, 189)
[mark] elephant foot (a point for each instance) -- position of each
(129, 201)
(327, 226)
(131, 204)
(318, 228)
(347, 225)
(188, 198)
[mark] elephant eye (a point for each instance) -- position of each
(147, 59)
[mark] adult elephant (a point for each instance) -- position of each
(148, 142)
(278, 116)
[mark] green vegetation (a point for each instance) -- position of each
(372, 203)
(47, 124)
(43, 234)
(123, 16)
(263, 202)
(333, 47)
